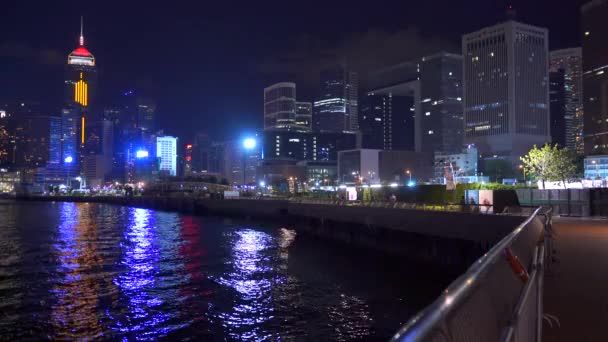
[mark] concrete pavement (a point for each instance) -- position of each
(576, 288)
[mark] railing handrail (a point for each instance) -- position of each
(459, 290)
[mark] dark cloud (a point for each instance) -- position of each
(363, 52)
(25, 52)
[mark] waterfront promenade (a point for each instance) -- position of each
(576, 288)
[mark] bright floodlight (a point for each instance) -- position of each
(68, 159)
(249, 143)
(141, 154)
(262, 184)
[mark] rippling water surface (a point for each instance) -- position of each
(92, 271)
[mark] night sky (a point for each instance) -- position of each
(206, 63)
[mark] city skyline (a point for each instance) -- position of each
(337, 171)
(198, 92)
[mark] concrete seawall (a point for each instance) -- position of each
(445, 238)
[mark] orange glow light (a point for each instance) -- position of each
(82, 130)
(81, 92)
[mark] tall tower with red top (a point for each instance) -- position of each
(81, 75)
(79, 100)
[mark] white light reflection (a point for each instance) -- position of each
(251, 277)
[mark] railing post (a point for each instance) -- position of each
(539, 297)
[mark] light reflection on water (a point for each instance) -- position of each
(144, 318)
(75, 313)
(77, 271)
(251, 276)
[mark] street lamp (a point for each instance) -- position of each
(523, 169)
(248, 145)
(68, 160)
(409, 174)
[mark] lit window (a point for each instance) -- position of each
(431, 132)
(427, 113)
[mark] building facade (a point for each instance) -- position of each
(304, 115)
(7, 138)
(280, 106)
(595, 76)
(146, 114)
(359, 166)
(441, 122)
(506, 89)
(336, 109)
(567, 65)
(37, 141)
(367, 166)
(423, 100)
(301, 146)
(166, 152)
(387, 121)
(557, 106)
(596, 167)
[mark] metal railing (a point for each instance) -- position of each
(471, 208)
(489, 302)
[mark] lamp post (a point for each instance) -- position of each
(409, 174)
(523, 169)
(248, 145)
(68, 160)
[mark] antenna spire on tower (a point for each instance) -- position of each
(81, 30)
(511, 13)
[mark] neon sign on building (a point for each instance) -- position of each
(81, 95)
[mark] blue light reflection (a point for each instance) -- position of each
(144, 319)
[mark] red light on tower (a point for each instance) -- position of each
(188, 158)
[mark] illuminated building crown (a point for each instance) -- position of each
(80, 55)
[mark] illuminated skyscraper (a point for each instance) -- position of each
(146, 114)
(7, 138)
(595, 76)
(280, 106)
(569, 63)
(80, 82)
(557, 99)
(336, 110)
(506, 89)
(281, 111)
(166, 151)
